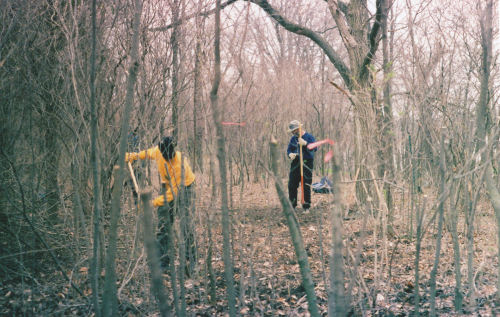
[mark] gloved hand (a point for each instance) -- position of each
(292, 156)
(302, 142)
(159, 201)
(130, 157)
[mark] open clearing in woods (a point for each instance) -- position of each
(383, 269)
(266, 271)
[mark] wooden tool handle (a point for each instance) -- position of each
(133, 177)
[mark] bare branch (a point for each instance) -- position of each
(189, 17)
(332, 54)
(373, 39)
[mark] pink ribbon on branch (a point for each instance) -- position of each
(329, 154)
(241, 124)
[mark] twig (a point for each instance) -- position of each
(37, 234)
(345, 92)
(28, 252)
(481, 265)
(181, 21)
(129, 278)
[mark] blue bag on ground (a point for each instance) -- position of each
(323, 187)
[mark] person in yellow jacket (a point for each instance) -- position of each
(172, 166)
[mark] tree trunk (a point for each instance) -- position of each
(197, 111)
(443, 195)
(483, 117)
(418, 243)
(183, 214)
(110, 300)
(212, 288)
(221, 156)
(337, 305)
(153, 259)
(95, 268)
(174, 42)
(387, 166)
(365, 155)
(453, 229)
(296, 235)
(471, 204)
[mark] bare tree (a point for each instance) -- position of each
(197, 104)
(361, 42)
(174, 42)
(484, 125)
(95, 168)
(110, 301)
(296, 235)
(221, 157)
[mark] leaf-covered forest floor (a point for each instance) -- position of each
(379, 267)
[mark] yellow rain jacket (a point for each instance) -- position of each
(170, 171)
